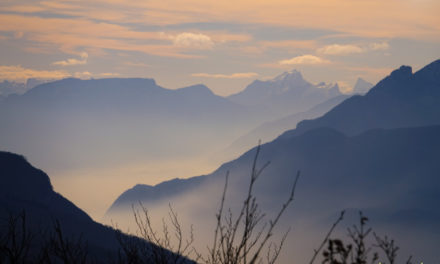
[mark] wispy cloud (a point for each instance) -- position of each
(348, 49)
(86, 34)
(344, 87)
(88, 75)
(19, 73)
(18, 34)
(83, 75)
(337, 49)
(379, 46)
(109, 74)
(189, 40)
(72, 61)
(304, 59)
(241, 75)
(289, 44)
(136, 64)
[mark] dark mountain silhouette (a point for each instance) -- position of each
(402, 99)
(367, 168)
(27, 189)
(286, 94)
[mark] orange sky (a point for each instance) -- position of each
(215, 39)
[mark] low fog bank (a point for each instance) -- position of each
(94, 189)
(308, 224)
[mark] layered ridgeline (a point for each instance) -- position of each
(91, 123)
(55, 229)
(402, 99)
(378, 152)
(285, 93)
(79, 123)
(272, 129)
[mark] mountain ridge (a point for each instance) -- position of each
(401, 99)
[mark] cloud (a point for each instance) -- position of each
(109, 74)
(83, 75)
(379, 46)
(136, 64)
(19, 73)
(191, 40)
(86, 34)
(344, 87)
(88, 75)
(241, 75)
(304, 59)
(18, 34)
(337, 49)
(70, 62)
(289, 44)
(412, 19)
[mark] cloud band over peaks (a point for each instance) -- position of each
(241, 75)
(305, 60)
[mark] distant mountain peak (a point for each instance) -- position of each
(361, 86)
(288, 75)
(286, 93)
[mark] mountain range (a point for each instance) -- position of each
(272, 129)
(377, 152)
(103, 125)
(285, 94)
(140, 118)
(402, 99)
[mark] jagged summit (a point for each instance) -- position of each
(288, 75)
(287, 93)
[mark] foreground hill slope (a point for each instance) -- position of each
(26, 189)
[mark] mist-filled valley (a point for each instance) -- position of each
(128, 131)
(100, 139)
(214, 132)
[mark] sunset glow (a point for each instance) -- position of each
(48, 39)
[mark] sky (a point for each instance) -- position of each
(223, 44)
